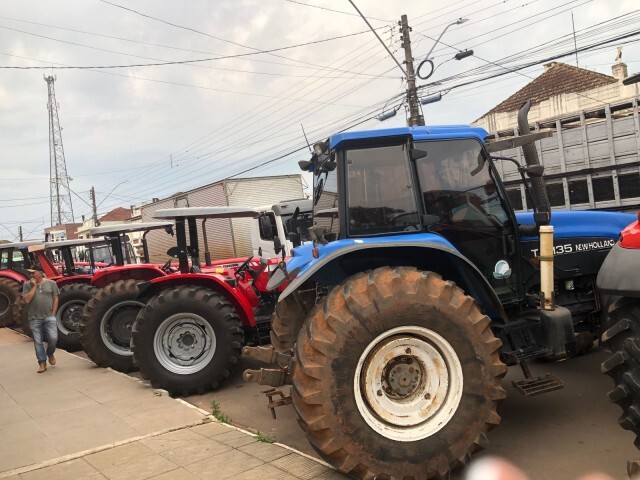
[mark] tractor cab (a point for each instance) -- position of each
(408, 182)
(71, 257)
(17, 257)
(121, 248)
(188, 252)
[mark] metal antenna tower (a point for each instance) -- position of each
(60, 194)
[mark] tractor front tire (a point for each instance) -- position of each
(623, 366)
(397, 376)
(107, 321)
(9, 302)
(288, 317)
(71, 303)
(187, 340)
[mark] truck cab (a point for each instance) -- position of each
(283, 225)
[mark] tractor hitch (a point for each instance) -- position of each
(284, 400)
(274, 377)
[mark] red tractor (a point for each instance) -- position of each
(620, 277)
(74, 282)
(15, 259)
(189, 335)
(105, 328)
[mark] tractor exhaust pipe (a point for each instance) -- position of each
(530, 153)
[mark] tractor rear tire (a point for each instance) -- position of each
(623, 366)
(187, 340)
(287, 318)
(71, 303)
(9, 302)
(397, 376)
(24, 319)
(107, 321)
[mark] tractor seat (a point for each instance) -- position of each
(195, 269)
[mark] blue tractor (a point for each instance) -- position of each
(421, 286)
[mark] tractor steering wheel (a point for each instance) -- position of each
(167, 266)
(244, 265)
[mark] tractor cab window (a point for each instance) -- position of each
(300, 225)
(4, 259)
(18, 261)
(380, 195)
(463, 204)
(102, 254)
(325, 204)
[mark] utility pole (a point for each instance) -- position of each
(20, 233)
(415, 118)
(96, 222)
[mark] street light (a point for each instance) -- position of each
(460, 21)
(108, 194)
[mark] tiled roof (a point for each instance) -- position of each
(117, 215)
(558, 79)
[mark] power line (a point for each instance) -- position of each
(305, 66)
(335, 11)
(156, 64)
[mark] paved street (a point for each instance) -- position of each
(96, 423)
(80, 421)
(557, 435)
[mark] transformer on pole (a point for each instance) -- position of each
(59, 192)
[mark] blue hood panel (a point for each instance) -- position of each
(583, 223)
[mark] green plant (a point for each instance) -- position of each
(218, 413)
(265, 438)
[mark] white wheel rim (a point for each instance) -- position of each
(408, 383)
(115, 332)
(69, 315)
(184, 343)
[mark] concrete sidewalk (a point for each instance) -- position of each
(80, 421)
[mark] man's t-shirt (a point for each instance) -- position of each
(41, 305)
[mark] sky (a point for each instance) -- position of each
(257, 73)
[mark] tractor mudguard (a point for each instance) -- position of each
(214, 282)
(619, 273)
(141, 272)
(83, 279)
(13, 275)
(327, 268)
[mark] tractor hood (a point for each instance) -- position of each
(571, 224)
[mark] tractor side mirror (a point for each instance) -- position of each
(304, 165)
(277, 245)
(169, 229)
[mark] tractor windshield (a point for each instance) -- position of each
(381, 199)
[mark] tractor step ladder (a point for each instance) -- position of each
(536, 386)
(529, 386)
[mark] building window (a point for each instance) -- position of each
(603, 189)
(578, 192)
(555, 192)
(629, 185)
(515, 197)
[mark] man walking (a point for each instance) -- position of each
(41, 295)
